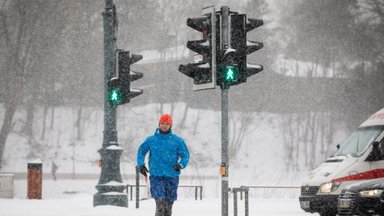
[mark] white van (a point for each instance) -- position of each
(359, 157)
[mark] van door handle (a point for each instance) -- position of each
(353, 173)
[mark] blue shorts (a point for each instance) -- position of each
(164, 187)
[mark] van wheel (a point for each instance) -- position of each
(327, 213)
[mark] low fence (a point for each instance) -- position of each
(240, 190)
(269, 187)
(245, 190)
(137, 185)
(198, 190)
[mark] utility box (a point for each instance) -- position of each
(6, 186)
(35, 179)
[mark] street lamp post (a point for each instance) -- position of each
(110, 186)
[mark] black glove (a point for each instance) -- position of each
(177, 167)
(144, 170)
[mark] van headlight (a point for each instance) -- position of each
(371, 193)
(329, 187)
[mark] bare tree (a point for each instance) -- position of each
(26, 43)
(241, 126)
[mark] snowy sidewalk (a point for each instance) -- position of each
(82, 205)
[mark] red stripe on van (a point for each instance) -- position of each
(372, 174)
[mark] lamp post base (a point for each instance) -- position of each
(114, 198)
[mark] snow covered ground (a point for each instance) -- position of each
(75, 198)
(81, 205)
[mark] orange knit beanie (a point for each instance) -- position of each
(166, 118)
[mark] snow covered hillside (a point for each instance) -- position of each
(257, 151)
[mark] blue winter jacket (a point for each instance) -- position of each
(165, 150)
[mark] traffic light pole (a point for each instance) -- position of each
(224, 62)
(110, 178)
(224, 117)
(110, 133)
(224, 152)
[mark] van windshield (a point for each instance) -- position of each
(356, 144)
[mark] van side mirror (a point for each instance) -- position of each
(375, 144)
(376, 153)
(338, 146)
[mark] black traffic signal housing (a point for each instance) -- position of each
(203, 72)
(120, 87)
(240, 25)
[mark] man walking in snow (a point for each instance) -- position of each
(168, 155)
(54, 169)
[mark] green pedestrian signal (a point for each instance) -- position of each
(230, 73)
(114, 96)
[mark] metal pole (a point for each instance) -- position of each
(246, 203)
(110, 133)
(224, 151)
(201, 192)
(234, 202)
(131, 191)
(110, 157)
(137, 187)
(196, 192)
(224, 118)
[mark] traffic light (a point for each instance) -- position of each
(114, 93)
(204, 71)
(227, 70)
(120, 86)
(240, 25)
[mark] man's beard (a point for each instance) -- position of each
(164, 132)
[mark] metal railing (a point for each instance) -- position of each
(246, 200)
(274, 186)
(197, 188)
(129, 189)
(198, 191)
(269, 187)
(245, 190)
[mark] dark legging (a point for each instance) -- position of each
(163, 208)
